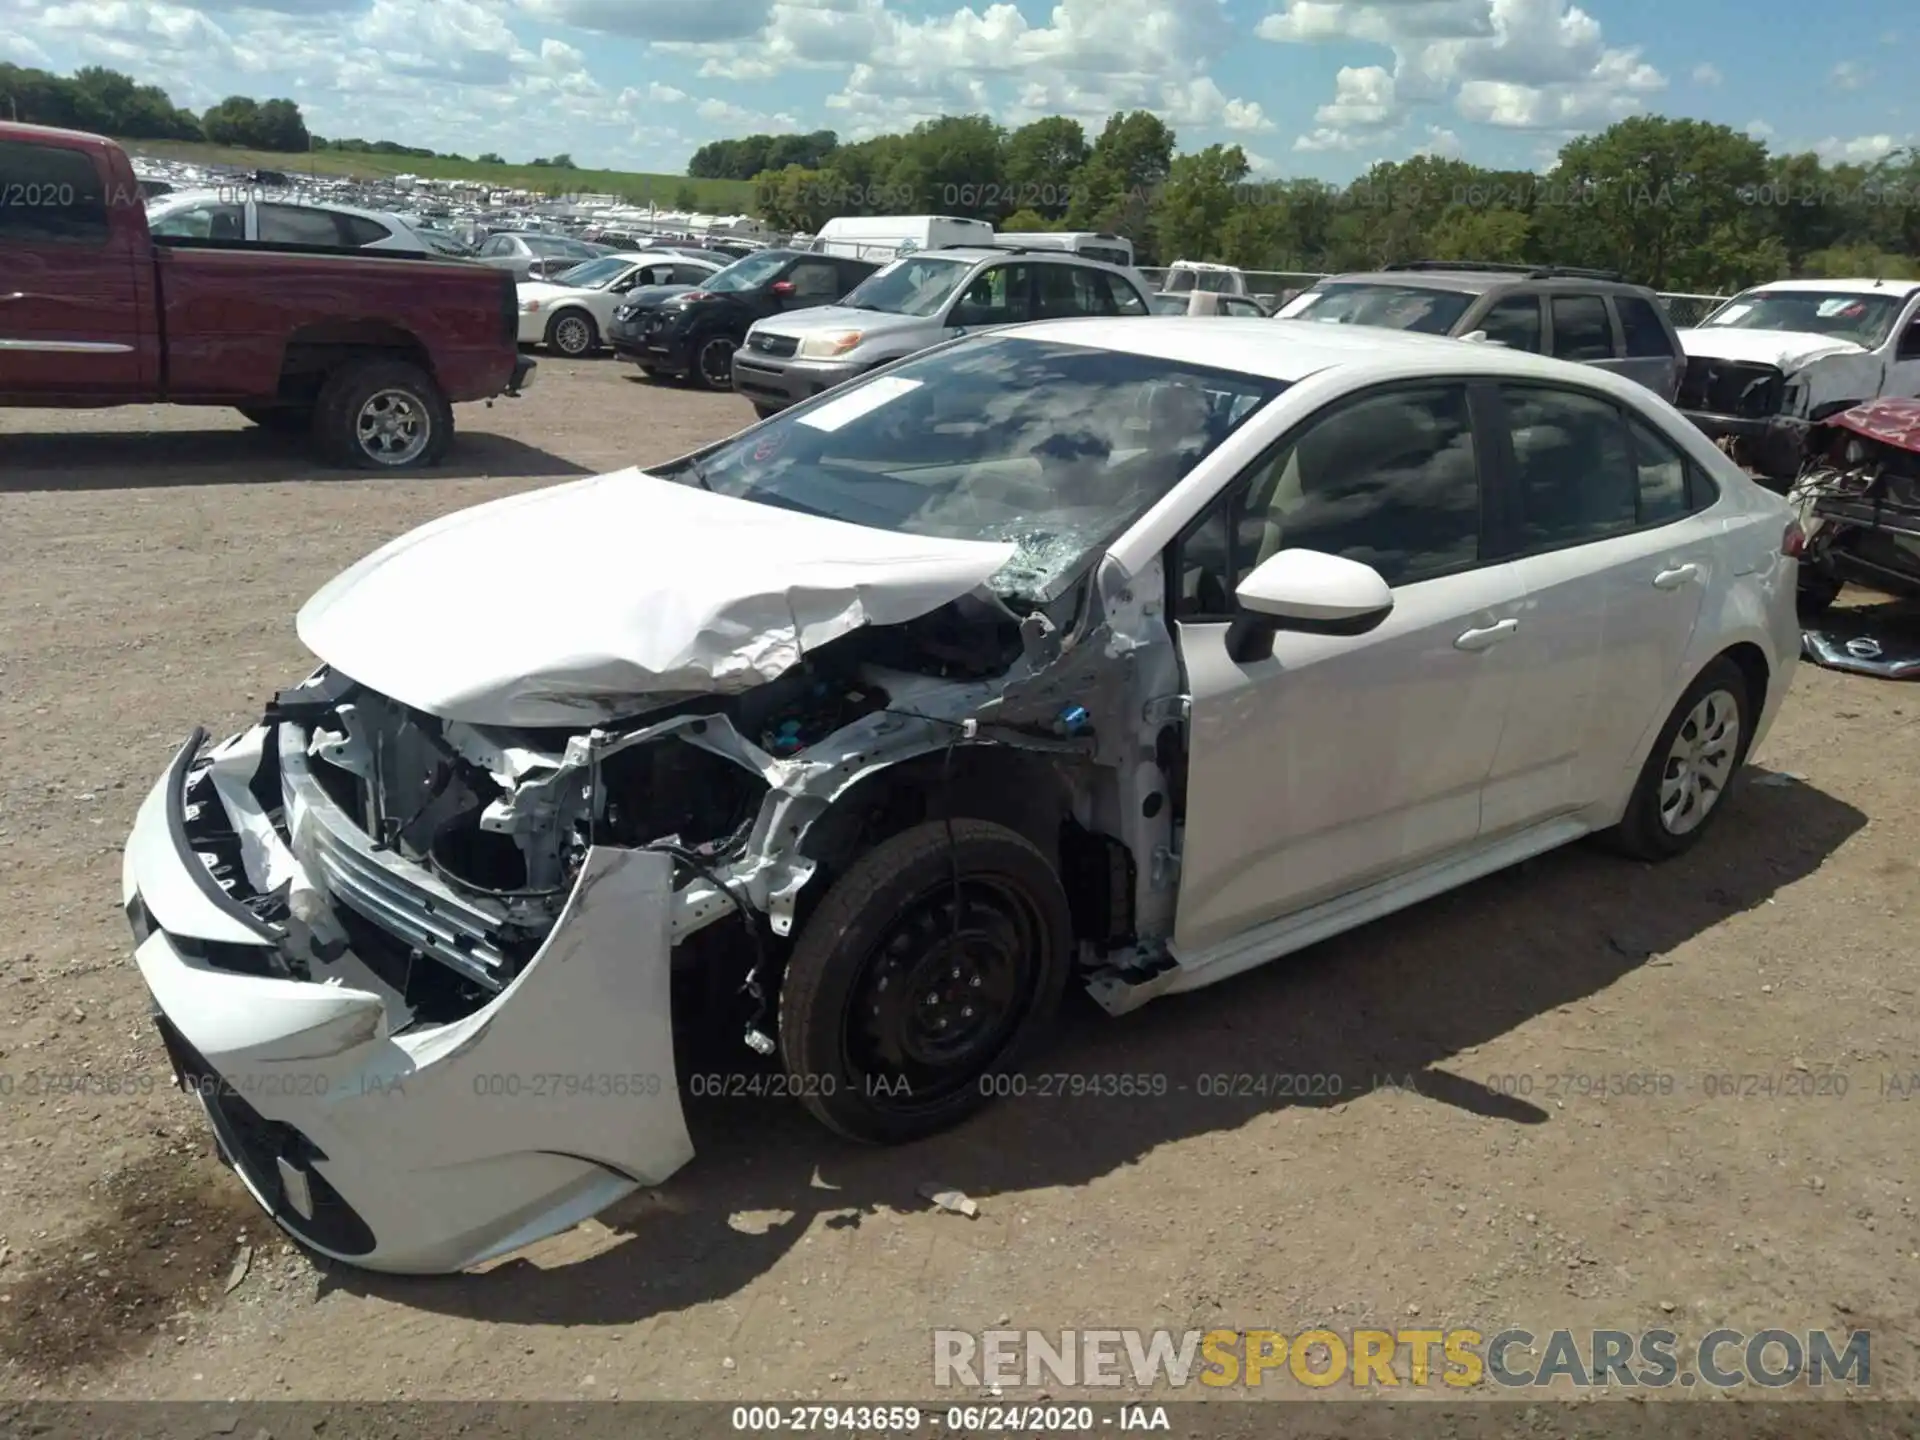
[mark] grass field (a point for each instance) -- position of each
(713, 196)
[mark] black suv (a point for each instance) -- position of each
(693, 336)
(1593, 316)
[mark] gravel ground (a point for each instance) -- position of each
(154, 559)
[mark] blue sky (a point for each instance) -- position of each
(1306, 87)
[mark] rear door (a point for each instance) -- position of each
(1651, 349)
(1615, 565)
(998, 295)
(1066, 291)
(71, 298)
(300, 225)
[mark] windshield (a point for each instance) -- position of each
(1170, 304)
(595, 274)
(1392, 307)
(919, 286)
(745, 274)
(1866, 320)
(1056, 448)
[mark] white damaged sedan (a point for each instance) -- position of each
(1103, 653)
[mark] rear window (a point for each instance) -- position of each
(358, 230)
(1581, 330)
(1421, 308)
(48, 194)
(298, 225)
(1646, 337)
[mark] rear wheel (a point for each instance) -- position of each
(281, 419)
(382, 415)
(1693, 764)
(573, 334)
(713, 363)
(898, 1013)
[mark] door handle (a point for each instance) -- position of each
(1676, 577)
(1487, 637)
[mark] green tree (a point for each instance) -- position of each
(1191, 211)
(1024, 222)
(1668, 202)
(490, 159)
(1039, 164)
(563, 161)
(686, 198)
(797, 198)
(1463, 233)
(1126, 166)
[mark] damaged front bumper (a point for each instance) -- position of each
(370, 1135)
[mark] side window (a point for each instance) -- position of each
(815, 280)
(298, 225)
(1581, 329)
(1662, 472)
(1069, 290)
(1640, 325)
(1126, 300)
(1909, 346)
(1514, 322)
(688, 275)
(998, 295)
(50, 195)
(1390, 480)
(1572, 464)
(357, 230)
(496, 245)
(204, 222)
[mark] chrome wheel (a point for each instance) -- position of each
(1699, 762)
(716, 363)
(572, 335)
(393, 427)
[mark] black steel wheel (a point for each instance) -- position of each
(713, 363)
(899, 1010)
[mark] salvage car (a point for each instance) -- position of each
(917, 302)
(364, 351)
(1777, 358)
(572, 313)
(1592, 316)
(1859, 502)
(1099, 653)
(282, 219)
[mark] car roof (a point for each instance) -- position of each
(1479, 282)
(1842, 287)
(973, 254)
(1291, 350)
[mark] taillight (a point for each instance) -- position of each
(1793, 544)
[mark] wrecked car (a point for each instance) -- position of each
(1859, 501)
(1777, 358)
(1090, 653)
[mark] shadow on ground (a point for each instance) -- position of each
(1390, 1003)
(140, 460)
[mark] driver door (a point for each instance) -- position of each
(1339, 761)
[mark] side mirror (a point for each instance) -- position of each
(1306, 591)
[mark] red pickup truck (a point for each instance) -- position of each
(366, 353)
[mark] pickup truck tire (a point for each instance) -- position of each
(382, 415)
(891, 1031)
(281, 419)
(573, 334)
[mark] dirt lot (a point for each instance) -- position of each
(153, 561)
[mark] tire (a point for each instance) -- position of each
(573, 334)
(883, 926)
(280, 419)
(367, 392)
(1818, 590)
(712, 367)
(1645, 832)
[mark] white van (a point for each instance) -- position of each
(884, 237)
(1184, 276)
(1113, 249)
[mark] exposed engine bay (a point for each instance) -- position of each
(481, 832)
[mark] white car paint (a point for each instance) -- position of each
(542, 300)
(671, 590)
(1343, 779)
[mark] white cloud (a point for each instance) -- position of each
(1860, 149)
(1363, 99)
(1518, 64)
(657, 20)
(1759, 129)
(18, 50)
(1442, 142)
(1707, 73)
(1848, 76)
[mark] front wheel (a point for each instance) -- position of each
(573, 334)
(713, 363)
(899, 1011)
(1694, 762)
(382, 415)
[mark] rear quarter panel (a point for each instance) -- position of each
(230, 314)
